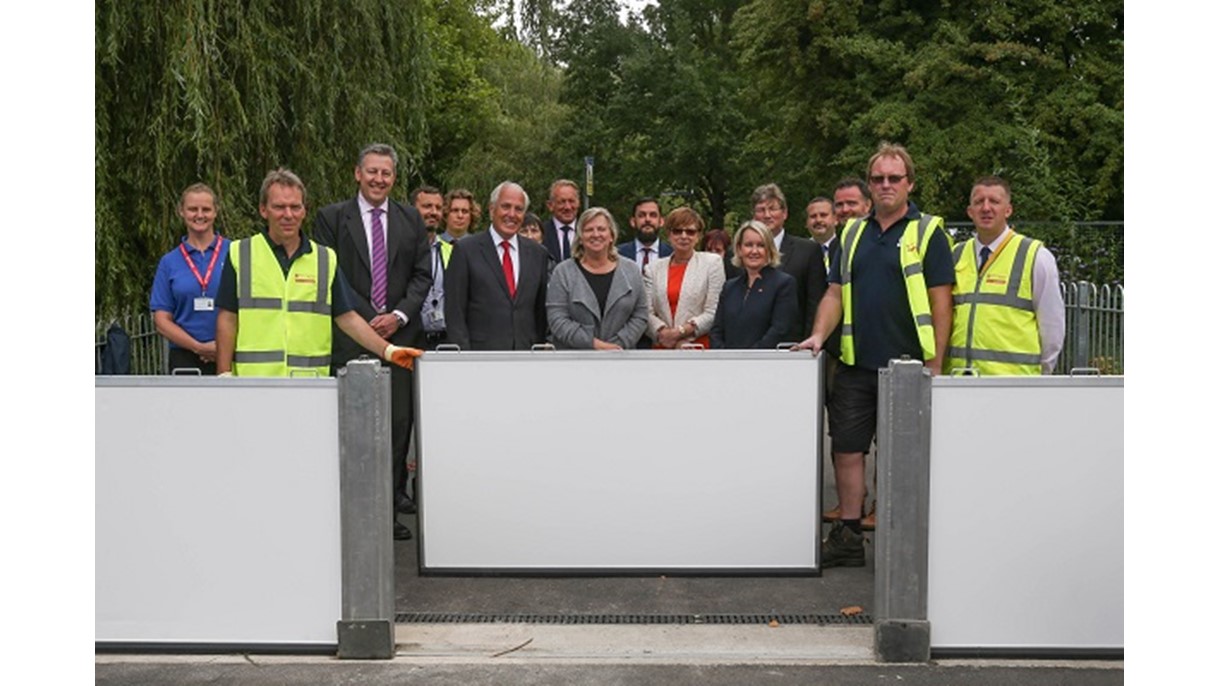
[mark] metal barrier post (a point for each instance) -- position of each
(1081, 314)
(366, 628)
(901, 631)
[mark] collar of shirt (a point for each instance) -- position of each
(779, 238)
(366, 218)
(496, 239)
(999, 240)
(211, 246)
(911, 213)
(282, 255)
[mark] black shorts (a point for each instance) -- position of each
(181, 358)
(853, 409)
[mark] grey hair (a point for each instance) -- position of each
(280, 177)
(495, 194)
(378, 149)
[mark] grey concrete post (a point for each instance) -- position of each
(366, 626)
(901, 632)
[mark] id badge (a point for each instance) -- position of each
(204, 304)
(437, 316)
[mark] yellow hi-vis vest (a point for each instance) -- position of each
(913, 246)
(283, 325)
(995, 326)
(446, 249)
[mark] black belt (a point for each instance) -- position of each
(434, 337)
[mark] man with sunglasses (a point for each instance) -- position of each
(891, 285)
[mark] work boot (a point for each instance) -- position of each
(869, 522)
(842, 547)
(832, 515)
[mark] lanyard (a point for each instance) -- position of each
(203, 280)
(994, 253)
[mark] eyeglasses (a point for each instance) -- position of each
(684, 232)
(879, 179)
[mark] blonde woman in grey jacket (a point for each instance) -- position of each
(594, 300)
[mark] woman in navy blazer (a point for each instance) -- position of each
(595, 300)
(758, 306)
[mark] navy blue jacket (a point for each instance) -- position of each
(758, 316)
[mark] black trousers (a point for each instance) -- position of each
(402, 421)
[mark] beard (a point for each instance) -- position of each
(646, 238)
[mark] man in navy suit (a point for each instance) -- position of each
(559, 230)
(647, 221)
(392, 308)
(799, 257)
(495, 286)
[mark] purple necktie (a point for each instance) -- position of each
(377, 266)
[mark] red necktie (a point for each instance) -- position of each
(508, 270)
(646, 251)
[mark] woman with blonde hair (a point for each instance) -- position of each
(759, 305)
(594, 300)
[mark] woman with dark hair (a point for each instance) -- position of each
(595, 300)
(183, 299)
(758, 305)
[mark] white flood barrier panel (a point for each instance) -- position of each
(217, 511)
(1025, 532)
(693, 461)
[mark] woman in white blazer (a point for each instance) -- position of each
(684, 288)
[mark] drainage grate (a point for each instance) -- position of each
(526, 618)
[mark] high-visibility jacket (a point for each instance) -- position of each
(995, 326)
(913, 246)
(446, 249)
(283, 324)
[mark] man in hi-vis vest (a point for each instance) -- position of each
(891, 284)
(1007, 311)
(279, 292)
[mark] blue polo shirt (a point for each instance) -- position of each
(175, 287)
(882, 325)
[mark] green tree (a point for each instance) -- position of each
(191, 90)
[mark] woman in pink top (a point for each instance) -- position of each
(684, 288)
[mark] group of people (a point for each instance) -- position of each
(877, 280)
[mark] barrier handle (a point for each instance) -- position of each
(691, 346)
(187, 371)
(542, 347)
(1084, 371)
(448, 348)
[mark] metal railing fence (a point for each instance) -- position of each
(1094, 337)
(149, 351)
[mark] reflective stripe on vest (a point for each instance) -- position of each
(284, 323)
(913, 247)
(995, 327)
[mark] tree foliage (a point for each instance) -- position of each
(221, 92)
(695, 101)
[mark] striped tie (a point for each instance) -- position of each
(378, 266)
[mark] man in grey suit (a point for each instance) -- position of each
(799, 257)
(495, 286)
(383, 251)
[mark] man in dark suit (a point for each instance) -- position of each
(559, 230)
(495, 286)
(799, 257)
(383, 252)
(820, 221)
(647, 221)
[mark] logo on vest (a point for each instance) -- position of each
(995, 280)
(304, 278)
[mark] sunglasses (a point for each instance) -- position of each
(684, 232)
(881, 178)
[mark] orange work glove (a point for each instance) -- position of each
(403, 357)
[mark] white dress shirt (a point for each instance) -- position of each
(1048, 302)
